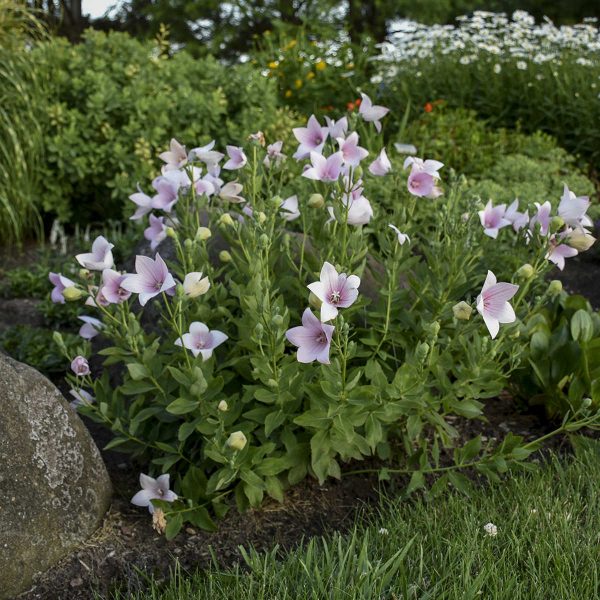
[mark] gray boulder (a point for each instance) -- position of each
(54, 488)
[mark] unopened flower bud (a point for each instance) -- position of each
(316, 201)
(358, 172)
(237, 440)
(557, 223)
(84, 273)
(465, 217)
(277, 320)
(422, 351)
(261, 217)
(586, 402)
(72, 293)
(223, 406)
(525, 271)
(226, 220)
(433, 329)
(263, 241)
(555, 287)
(277, 201)
(170, 232)
(224, 256)
(259, 330)
(272, 383)
(462, 311)
(195, 285)
(581, 240)
(314, 301)
(202, 234)
(188, 244)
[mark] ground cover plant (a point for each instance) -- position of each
(533, 537)
(507, 68)
(299, 325)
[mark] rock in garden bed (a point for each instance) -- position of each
(54, 488)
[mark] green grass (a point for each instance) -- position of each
(547, 548)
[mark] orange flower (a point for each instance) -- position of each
(350, 106)
(428, 107)
(357, 102)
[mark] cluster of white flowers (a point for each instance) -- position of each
(492, 36)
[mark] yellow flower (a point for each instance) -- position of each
(310, 75)
(321, 65)
(350, 66)
(299, 83)
(290, 44)
(288, 93)
(273, 64)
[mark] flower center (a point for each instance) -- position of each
(322, 338)
(334, 298)
(158, 285)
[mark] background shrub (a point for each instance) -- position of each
(112, 103)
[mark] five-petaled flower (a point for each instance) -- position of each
(100, 257)
(572, 209)
(311, 138)
(492, 303)
(153, 489)
(200, 340)
(60, 283)
(423, 177)
(111, 289)
(151, 278)
(195, 285)
(237, 158)
(492, 219)
(313, 339)
(156, 233)
(175, 157)
(381, 165)
(335, 290)
(91, 327)
(557, 252)
(372, 113)
(324, 169)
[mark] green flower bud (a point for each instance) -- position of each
(433, 329)
(586, 402)
(557, 223)
(422, 351)
(259, 330)
(263, 240)
(224, 256)
(226, 220)
(277, 320)
(272, 383)
(525, 271)
(314, 301)
(462, 311)
(188, 244)
(170, 232)
(223, 406)
(358, 172)
(72, 293)
(277, 201)
(261, 217)
(555, 287)
(316, 201)
(202, 234)
(84, 273)
(237, 440)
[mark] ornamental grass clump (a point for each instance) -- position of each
(297, 315)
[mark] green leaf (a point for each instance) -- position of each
(180, 377)
(118, 441)
(273, 421)
(181, 406)
(174, 525)
(582, 326)
(417, 481)
(200, 517)
(137, 371)
(460, 482)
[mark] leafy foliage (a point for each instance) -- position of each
(113, 101)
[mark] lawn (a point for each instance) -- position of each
(546, 545)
